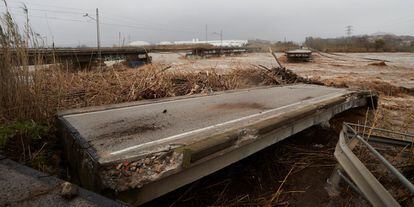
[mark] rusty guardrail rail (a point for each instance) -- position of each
(361, 179)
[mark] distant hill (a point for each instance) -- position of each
(377, 42)
(382, 34)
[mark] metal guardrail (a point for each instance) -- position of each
(362, 180)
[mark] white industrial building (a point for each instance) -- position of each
(139, 43)
(218, 43)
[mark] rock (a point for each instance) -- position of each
(147, 161)
(158, 168)
(134, 164)
(69, 190)
(140, 170)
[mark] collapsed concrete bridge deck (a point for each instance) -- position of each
(142, 150)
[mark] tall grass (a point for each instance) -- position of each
(21, 107)
(18, 85)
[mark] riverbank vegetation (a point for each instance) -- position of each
(365, 43)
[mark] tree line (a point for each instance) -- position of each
(366, 43)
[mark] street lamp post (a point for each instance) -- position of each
(98, 32)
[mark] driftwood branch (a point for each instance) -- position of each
(273, 54)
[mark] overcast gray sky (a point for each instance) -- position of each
(170, 20)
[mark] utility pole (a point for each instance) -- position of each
(120, 39)
(221, 38)
(53, 42)
(98, 32)
(206, 34)
(98, 35)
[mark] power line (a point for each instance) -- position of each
(43, 10)
(50, 6)
(146, 28)
(115, 17)
(102, 23)
(129, 20)
(50, 18)
(128, 25)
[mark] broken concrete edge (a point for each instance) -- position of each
(82, 158)
(228, 156)
(371, 96)
(159, 100)
(52, 181)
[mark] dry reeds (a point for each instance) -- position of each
(18, 97)
(59, 89)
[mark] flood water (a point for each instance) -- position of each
(398, 59)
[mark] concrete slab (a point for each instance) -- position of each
(133, 146)
(23, 186)
(131, 130)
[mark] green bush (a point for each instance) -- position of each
(27, 129)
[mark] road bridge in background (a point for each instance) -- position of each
(87, 57)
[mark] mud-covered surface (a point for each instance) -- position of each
(131, 130)
(241, 106)
(391, 74)
(134, 174)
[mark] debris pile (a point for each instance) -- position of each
(288, 77)
(282, 76)
(380, 63)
